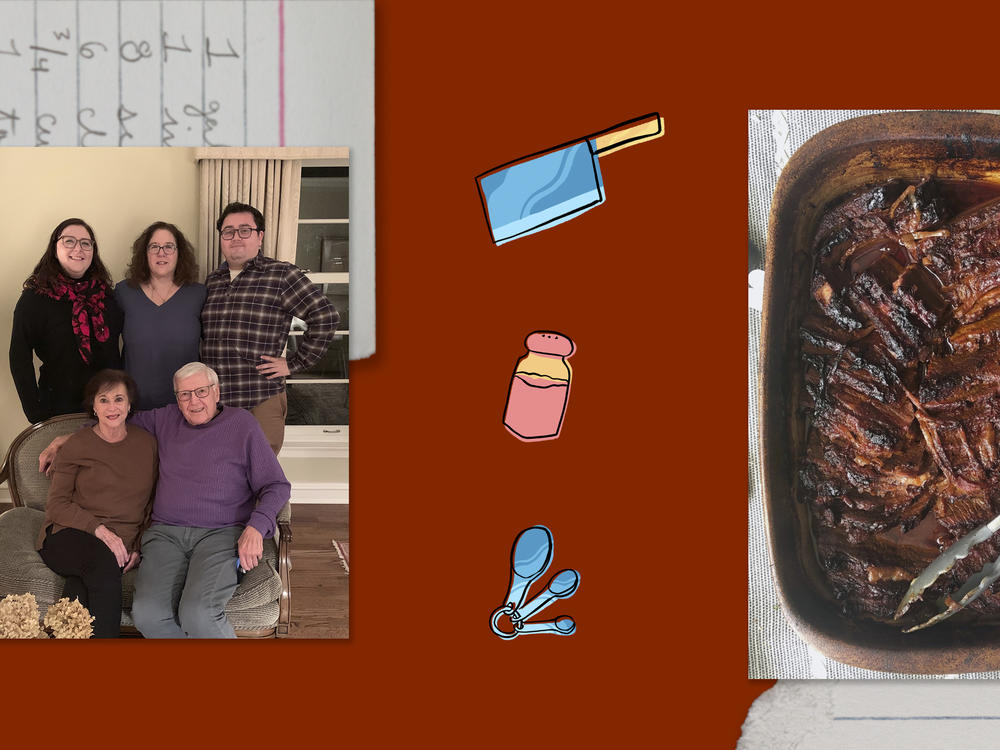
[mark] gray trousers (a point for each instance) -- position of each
(186, 578)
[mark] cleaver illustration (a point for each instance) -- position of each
(547, 188)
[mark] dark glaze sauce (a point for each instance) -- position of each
(903, 446)
(964, 194)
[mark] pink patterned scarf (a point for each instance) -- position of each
(87, 296)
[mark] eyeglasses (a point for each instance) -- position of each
(70, 242)
(199, 392)
(169, 249)
(244, 231)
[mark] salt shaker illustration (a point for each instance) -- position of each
(539, 387)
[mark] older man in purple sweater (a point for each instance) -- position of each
(218, 495)
(217, 498)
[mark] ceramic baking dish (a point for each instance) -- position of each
(856, 153)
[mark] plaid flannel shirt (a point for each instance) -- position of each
(250, 316)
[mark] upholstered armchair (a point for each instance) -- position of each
(260, 607)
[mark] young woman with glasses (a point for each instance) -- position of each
(67, 317)
(162, 304)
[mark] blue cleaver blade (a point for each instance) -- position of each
(547, 188)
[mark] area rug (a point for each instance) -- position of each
(343, 550)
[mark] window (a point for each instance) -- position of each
(319, 396)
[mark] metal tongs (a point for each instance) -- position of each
(973, 587)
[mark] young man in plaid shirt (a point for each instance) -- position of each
(248, 310)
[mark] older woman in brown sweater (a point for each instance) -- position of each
(99, 502)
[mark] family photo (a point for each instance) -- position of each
(178, 326)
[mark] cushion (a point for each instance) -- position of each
(21, 569)
(254, 604)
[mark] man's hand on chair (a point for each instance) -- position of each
(48, 456)
(250, 548)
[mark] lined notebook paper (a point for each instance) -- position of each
(202, 73)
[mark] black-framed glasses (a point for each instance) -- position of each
(70, 242)
(244, 231)
(199, 392)
(168, 249)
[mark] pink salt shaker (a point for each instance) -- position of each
(539, 387)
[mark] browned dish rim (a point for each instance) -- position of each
(864, 150)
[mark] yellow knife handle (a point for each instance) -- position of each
(627, 133)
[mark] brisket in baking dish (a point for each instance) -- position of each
(900, 357)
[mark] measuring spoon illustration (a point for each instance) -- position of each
(560, 586)
(562, 625)
(530, 557)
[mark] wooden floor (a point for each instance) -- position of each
(319, 581)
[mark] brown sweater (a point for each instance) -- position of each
(95, 482)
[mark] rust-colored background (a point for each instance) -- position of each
(645, 490)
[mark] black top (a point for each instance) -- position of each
(44, 326)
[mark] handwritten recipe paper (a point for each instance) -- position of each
(202, 73)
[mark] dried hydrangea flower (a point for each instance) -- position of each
(19, 616)
(69, 619)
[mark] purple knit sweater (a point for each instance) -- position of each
(222, 473)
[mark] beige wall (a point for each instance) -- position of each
(118, 191)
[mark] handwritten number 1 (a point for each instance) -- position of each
(209, 54)
(167, 47)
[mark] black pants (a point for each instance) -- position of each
(92, 576)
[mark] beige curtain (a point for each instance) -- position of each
(270, 185)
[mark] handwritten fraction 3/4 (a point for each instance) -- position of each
(148, 74)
